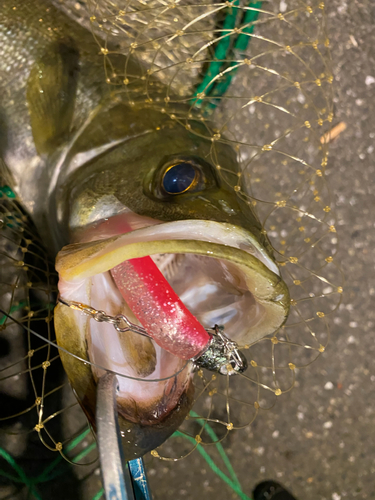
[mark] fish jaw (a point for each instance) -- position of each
(139, 435)
(242, 262)
(150, 409)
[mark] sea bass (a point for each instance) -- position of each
(113, 177)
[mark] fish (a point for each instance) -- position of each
(112, 176)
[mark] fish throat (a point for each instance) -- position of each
(176, 290)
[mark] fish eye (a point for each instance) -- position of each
(179, 174)
(179, 178)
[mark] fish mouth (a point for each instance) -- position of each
(220, 272)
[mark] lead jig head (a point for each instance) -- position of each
(221, 355)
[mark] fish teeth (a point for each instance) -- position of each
(168, 264)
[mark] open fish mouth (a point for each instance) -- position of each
(219, 271)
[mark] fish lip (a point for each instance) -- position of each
(80, 261)
(148, 436)
(75, 261)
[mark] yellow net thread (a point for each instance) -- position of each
(276, 115)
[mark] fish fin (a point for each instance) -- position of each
(51, 90)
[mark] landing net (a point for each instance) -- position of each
(261, 73)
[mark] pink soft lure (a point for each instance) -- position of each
(159, 309)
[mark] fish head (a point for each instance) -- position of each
(158, 192)
(140, 158)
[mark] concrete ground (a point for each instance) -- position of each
(319, 439)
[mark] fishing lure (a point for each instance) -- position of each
(220, 354)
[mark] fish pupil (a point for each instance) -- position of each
(179, 178)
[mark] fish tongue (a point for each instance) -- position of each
(159, 309)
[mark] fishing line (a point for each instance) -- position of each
(87, 362)
(49, 473)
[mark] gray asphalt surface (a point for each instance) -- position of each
(319, 440)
